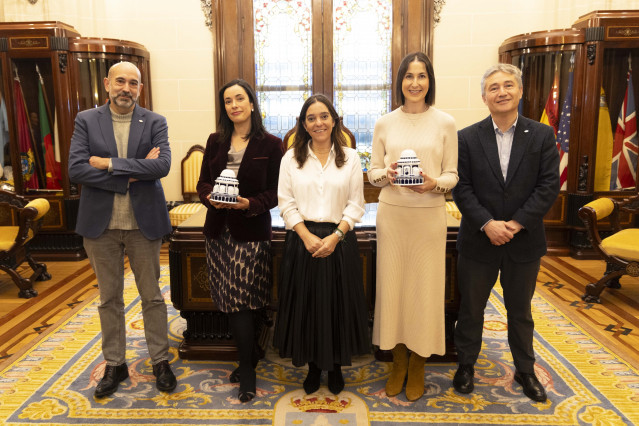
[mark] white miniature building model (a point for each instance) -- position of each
(408, 169)
(226, 187)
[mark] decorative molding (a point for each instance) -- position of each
(62, 62)
(582, 178)
(208, 17)
(591, 53)
(438, 5)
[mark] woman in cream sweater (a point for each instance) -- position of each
(411, 226)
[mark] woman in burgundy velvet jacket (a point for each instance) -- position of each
(238, 235)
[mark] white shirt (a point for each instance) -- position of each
(504, 145)
(321, 194)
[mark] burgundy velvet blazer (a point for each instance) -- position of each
(258, 175)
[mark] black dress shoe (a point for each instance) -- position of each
(336, 380)
(312, 382)
(113, 375)
(532, 388)
(463, 380)
(164, 378)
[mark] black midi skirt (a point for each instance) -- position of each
(322, 316)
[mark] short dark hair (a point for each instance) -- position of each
(225, 125)
(302, 137)
(401, 73)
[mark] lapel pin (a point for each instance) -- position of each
(142, 121)
(525, 131)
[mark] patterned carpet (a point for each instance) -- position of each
(53, 382)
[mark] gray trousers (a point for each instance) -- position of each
(106, 254)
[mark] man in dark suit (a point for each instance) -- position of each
(508, 179)
(118, 153)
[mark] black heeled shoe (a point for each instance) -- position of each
(247, 385)
(245, 396)
(336, 380)
(312, 382)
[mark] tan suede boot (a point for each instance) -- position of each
(415, 383)
(395, 382)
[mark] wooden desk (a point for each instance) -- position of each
(207, 334)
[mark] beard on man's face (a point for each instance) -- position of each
(123, 99)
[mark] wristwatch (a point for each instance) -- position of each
(339, 234)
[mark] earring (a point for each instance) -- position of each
(252, 110)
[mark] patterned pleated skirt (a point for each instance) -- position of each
(239, 273)
(322, 314)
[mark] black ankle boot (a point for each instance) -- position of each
(312, 382)
(336, 380)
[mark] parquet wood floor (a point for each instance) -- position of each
(614, 323)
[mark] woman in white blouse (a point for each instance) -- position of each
(322, 317)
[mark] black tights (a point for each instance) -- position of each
(243, 329)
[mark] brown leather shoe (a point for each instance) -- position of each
(463, 380)
(164, 378)
(532, 388)
(113, 375)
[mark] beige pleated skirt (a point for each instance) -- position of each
(411, 256)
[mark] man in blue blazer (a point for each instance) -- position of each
(508, 179)
(118, 153)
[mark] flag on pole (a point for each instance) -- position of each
(52, 167)
(520, 107)
(625, 147)
(27, 157)
(563, 135)
(550, 116)
(604, 146)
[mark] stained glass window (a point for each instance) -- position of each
(283, 60)
(362, 74)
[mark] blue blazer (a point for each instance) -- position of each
(530, 189)
(93, 136)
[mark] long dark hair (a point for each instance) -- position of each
(401, 73)
(302, 137)
(225, 125)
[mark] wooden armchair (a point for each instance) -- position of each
(620, 250)
(191, 166)
(22, 220)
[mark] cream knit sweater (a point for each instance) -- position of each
(433, 137)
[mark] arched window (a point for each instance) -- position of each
(347, 50)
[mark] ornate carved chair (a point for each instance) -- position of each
(21, 221)
(620, 250)
(191, 166)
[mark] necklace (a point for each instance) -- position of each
(415, 113)
(413, 117)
